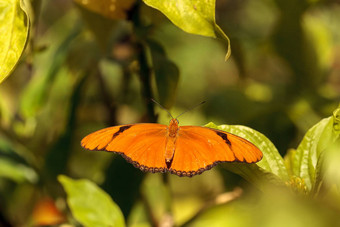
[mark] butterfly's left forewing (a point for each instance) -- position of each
(200, 148)
(141, 144)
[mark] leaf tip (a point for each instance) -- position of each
(62, 179)
(228, 54)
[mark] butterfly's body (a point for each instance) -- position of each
(184, 151)
(170, 144)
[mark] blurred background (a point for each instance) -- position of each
(85, 69)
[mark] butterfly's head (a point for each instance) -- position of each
(173, 122)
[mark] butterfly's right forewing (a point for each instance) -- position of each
(141, 144)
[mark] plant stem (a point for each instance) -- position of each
(145, 74)
(109, 103)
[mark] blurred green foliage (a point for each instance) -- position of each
(72, 67)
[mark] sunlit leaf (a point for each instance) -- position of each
(16, 171)
(305, 160)
(271, 167)
(90, 205)
(166, 74)
(116, 9)
(288, 158)
(14, 29)
(195, 17)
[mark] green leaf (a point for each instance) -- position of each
(195, 17)
(166, 74)
(271, 167)
(51, 63)
(57, 158)
(16, 171)
(289, 160)
(90, 205)
(14, 30)
(305, 160)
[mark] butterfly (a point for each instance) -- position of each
(180, 150)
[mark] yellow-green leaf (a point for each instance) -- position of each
(14, 29)
(90, 205)
(270, 168)
(195, 17)
(305, 160)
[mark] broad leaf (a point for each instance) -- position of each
(271, 167)
(305, 160)
(14, 30)
(195, 17)
(90, 205)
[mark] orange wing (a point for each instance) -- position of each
(143, 145)
(200, 148)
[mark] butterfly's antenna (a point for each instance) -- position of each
(190, 109)
(162, 107)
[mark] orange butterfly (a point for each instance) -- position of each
(180, 150)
